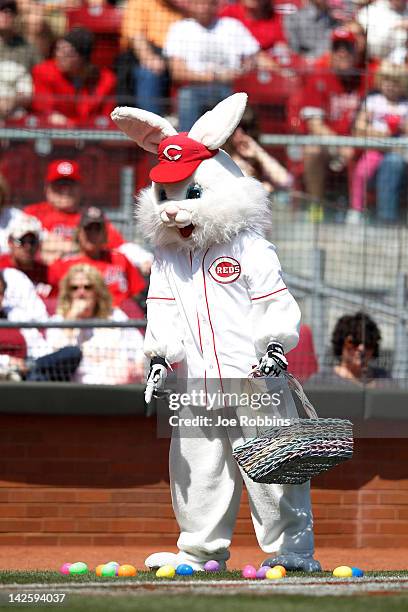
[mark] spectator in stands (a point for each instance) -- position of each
(36, 29)
(251, 157)
(308, 30)
(385, 23)
(109, 355)
(16, 87)
(265, 25)
(331, 100)
(13, 47)
(123, 280)
(69, 91)
(8, 214)
(143, 72)
(21, 298)
(355, 343)
(363, 62)
(208, 53)
(24, 353)
(24, 246)
(383, 113)
(60, 213)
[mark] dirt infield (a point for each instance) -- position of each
(52, 557)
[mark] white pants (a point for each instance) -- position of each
(206, 486)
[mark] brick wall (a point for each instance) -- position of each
(88, 480)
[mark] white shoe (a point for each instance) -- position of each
(354, 217)
(159, 559)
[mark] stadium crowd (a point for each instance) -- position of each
(339, 67)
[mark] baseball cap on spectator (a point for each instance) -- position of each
(23, 226)
(82, 40)
(61, 169)
(342, 37)
(179, 156)
(9, 5)
(92, 215)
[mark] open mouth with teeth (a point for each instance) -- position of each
(186, 231)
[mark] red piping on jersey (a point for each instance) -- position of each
(161, 298)
(209, 319)
(199, 336)
(268, 294)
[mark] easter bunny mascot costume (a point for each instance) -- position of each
(217, 304)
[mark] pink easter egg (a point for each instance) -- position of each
(64, 569)
(249, 571)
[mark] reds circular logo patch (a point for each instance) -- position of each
(225, 270)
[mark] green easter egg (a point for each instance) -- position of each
(78, 569)
(109, 571)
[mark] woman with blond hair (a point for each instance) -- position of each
(109, 355)
(384, 113)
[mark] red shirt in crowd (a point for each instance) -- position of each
(12, 343)
(336, 100)
(81, 103)
(38, 275)
(267, 32)
(122, 279)
(64, 224)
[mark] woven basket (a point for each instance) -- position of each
(295, 453)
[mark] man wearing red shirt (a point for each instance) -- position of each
(259, 17)
(24, 244)
(331, 100)
(59, 214)
(122, 279)
(69, 91)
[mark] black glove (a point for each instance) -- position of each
(156, 378)
(274, 360)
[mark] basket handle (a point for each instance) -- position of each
(295, 385)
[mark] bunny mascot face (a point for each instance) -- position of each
(217, 305)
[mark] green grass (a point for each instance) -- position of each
(225, 603)
(46, 577)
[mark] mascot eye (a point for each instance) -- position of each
(194, 192)
(162, 195)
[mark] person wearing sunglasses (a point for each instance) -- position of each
(109, 355)
(24, 253)
(124, 281)
(356, 345)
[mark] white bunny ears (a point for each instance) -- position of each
(212, 129)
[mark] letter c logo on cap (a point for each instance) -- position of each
(172, 157)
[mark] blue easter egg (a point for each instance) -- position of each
(357, 572)
(184, 570)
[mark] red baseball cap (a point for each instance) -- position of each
(63, 169)
(342, 35)
(179, 156)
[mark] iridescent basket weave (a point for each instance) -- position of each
(295, 453)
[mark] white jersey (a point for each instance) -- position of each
(223, 45)
(223, 304)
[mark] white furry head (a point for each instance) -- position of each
(229, 203)
(214, 202)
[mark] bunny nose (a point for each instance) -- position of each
(171, 211)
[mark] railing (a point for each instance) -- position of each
(311, 283)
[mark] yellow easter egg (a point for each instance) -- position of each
(166, 571)
(343, 571)
(281, 568)
(274, 574)
(98, 569)
(127, 570)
